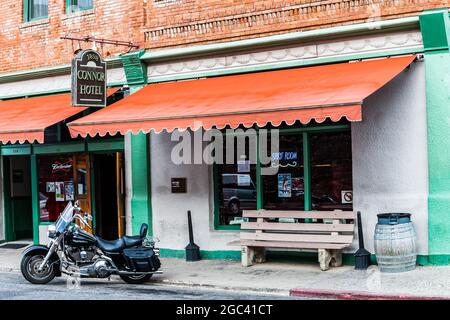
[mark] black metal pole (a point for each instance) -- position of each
(192, 250)
(362, 256)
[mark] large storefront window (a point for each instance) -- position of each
(328, 187)
(236, 186)
(285, 189)
(56, 186)
(331, 171)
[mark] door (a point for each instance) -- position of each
(120, 194)
(82, 183)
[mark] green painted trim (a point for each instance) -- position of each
(259, 180)
(8, 222)
(27, 13)
(105, 145)
(93, 202)
(15, 150)
(70, 7)
(59, 148)
(435, 28)
(140, 178)
(205, 254)
(434, 25)
(434, 260)
(35, 198)
(286, 65)
(135, 69)
(306, 172)
(283, 39)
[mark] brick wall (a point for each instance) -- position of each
(37, 44)
(167, 23)
(187, 22)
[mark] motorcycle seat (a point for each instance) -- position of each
(132, 241)
(110, 245)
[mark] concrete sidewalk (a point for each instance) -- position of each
(294, 278)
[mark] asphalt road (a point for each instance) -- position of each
(14, 287)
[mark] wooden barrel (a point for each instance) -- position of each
(395, 243)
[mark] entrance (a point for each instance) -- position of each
(109, 194)
(18, 206)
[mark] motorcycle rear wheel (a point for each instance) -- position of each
(30, 265)
(138, 279)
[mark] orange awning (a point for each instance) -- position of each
(23, 120)
(331, 91)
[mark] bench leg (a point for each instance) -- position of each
(247, 256)
(260, 255)
(336, 258)
(324, 259)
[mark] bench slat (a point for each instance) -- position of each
(298, 226)
(297, 237)
(299, 214)
(288, 245)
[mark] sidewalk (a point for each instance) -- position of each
(293, 278)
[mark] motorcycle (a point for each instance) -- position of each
(77, 253)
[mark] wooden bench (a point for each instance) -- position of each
(329, 233)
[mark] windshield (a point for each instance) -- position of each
(65, 218)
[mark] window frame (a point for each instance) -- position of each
(69, 9)
(304, 132)
(27, 12)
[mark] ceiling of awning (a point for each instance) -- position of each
(317, 93)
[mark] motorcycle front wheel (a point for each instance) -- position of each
(30, 269)
(137, 279)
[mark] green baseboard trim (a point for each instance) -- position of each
(205, 254)
(434, 260)
(2, 241)
(348, 259)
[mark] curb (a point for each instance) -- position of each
(356, 295)
(268, 291)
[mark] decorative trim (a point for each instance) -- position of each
(291, 55)
(409, 23)
(52, 85)
(21, 75)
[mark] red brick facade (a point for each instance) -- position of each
(166, 23)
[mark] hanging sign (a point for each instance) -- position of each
(88, 79)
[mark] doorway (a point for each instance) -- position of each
(18, 205)
(109, 186)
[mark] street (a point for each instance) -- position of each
(14, 287)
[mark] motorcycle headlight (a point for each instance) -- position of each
(51, 231)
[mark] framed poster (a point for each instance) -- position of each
(50, 187)
(69, 190)
(59, 191)
(284, 185)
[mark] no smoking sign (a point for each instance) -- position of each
(347, 196)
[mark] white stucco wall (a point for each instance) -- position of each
(389, 171)
(170, 210)
(390, 163)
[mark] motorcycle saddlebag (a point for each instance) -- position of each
(141, 259)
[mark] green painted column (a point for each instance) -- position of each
(35, 198)
(140, 176)
(435, 27)
(141, 210)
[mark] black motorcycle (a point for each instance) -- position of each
(77, 253)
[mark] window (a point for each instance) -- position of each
(56, 185)
(35, 9)
(236, 186)
(79, 5)
(318, 178)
